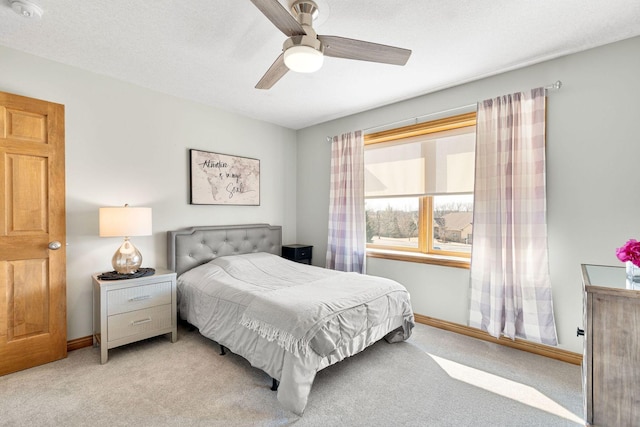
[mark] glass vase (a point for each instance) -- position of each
(633, 272)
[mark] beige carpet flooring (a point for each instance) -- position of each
(436, 378)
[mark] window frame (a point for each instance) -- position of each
(424, 252)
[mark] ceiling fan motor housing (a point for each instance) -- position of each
(306, 40)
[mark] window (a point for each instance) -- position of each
(419, 188)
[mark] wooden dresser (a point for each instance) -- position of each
(611, 365)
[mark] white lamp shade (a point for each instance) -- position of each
(303, 59)
(125, 222)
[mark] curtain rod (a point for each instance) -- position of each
(554, 86)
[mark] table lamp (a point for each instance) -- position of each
(125, 222)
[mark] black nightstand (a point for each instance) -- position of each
(297, 253)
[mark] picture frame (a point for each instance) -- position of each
(223, 179)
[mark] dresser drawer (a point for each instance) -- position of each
(138, 322)
(138, 297)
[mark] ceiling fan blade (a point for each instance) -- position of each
(341, 47)
(279, 16)
(273, 74)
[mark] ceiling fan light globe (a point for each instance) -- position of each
(303, 59)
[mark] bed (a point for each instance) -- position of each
(288, 319)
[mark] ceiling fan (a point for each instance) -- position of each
(304, 50)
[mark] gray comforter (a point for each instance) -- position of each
(291, 320)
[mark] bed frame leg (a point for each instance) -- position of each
(222, 352)
(274, 384)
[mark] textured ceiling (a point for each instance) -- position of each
(214, 52)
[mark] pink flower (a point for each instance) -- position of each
(630, 252)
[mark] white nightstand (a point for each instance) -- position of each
(125, 311)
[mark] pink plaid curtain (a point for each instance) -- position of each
(510, 285)
(346, 244)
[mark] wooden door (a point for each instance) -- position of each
(33, 320)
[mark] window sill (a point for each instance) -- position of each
(447, 261)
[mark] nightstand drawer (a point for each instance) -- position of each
(138, 297)
(138, 322)
(303, 253)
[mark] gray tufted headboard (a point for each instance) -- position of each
(193, 246)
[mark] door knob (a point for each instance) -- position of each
(55, 245)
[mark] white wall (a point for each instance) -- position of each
(126, 144)
(116, 132)
(593, 177)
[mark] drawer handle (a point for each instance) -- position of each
(140, 298)
(140, 322)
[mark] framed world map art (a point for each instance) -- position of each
(221, 179)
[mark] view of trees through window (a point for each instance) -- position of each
(394, 222)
